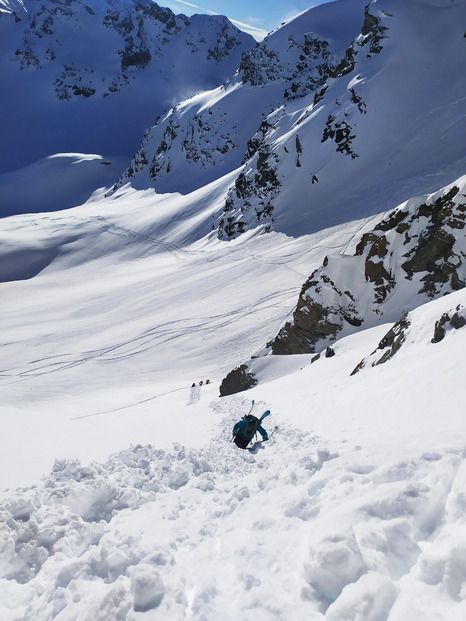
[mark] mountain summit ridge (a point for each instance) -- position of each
(327, 137)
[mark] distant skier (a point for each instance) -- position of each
(245, 429)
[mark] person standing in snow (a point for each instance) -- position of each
(244, 430)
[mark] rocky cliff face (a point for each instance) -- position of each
(417, 253)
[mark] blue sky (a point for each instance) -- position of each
(258, 17)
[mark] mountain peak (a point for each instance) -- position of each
(319, 111)
(99, 93)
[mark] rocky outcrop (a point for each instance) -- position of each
(417, 253)
(237, 380)
(389, 345)
(408, 328)
(318, 317)
(306, 66)
(448, 322)
(370, 42)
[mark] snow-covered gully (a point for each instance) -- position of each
(296, 529)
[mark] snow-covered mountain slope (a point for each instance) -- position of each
(319, 135)
(110, 311)
(91, 77)
(140, 309)
(353, 510)
(121, 495)
(209, 135)
(56, 182)
(415, 254)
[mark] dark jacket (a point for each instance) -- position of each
(240, 430)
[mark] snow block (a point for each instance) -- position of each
(147, 587)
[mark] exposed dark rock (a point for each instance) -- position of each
(373, 34)
(237, 380)
(84, 91)
(434, 253)
(456, 321)
(439, 330)
(432, 247)
(392, 221)
(391, 343)
(341, 133)
(312, 323)
(260, 186)
(135, 58)
(355, 98)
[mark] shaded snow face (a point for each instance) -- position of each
(99, 93)
(54, 183)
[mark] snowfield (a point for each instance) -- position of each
(354, 510)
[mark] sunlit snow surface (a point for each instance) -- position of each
(354, 510)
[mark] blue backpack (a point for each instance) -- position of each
(251, 424)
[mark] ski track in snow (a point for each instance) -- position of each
(185, 533)
(114, 229)
(135, 345)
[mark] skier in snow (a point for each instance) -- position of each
(244, 430)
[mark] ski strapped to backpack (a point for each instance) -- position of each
(249, 429)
